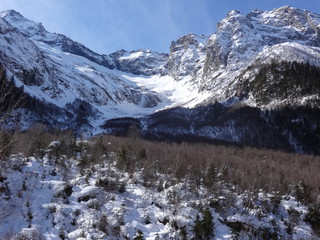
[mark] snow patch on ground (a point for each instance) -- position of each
(48, 198)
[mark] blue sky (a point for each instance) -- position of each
(109, 25)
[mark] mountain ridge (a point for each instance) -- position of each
(239, 65)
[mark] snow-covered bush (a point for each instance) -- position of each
(28, 234)
(313, 217)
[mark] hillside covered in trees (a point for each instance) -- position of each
(53, 186)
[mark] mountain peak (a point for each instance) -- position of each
(140, 62)
(233, 13)
(286, 8)
(289, 11)
(11, 13)
(189, 39)
(27, 27)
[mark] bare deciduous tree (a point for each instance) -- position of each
(10, 99)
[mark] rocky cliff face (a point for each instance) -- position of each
(186, 57)
(140, 62)
(240, 39)
(25, 59)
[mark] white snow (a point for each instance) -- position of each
(38, 204)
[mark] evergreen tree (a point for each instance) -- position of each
(204, 229)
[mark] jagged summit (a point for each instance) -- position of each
(36, 32)
(140, 62)
(186, 56)
(241, 38)
(13, 14)
(27, 27)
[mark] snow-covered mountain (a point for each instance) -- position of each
(241, 64)
(260, 37)
(57, 70)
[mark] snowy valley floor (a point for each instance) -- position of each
(73, 197)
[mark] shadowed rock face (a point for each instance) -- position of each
(22, 55)
(140, 62)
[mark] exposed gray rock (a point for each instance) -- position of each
(186, 56)
(240, 38)
(140, 62)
